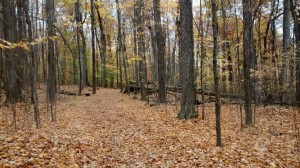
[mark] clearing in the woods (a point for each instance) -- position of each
(110, 129)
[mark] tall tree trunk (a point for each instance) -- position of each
(161, 52)
(84, 59)
(124, 53)
(135, 47)
(43, 46)
(119, 47)
(224, 85)
(21, 72)
(168, 61)
(93, 47)
(154, 56)
(141, 47)
(285, 47)
(216, 73)
(186, 60)
(297, 60)
(11, 84)
(34, 70)
(176, 41)
(1, 51)
(249, 54)
(79, 49)
(51, 83)
(103, 47)
(203, 54)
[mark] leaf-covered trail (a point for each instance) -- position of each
(112, 129)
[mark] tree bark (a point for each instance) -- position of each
(285, 47)
(161, 52)
(51, 83)
(119, 46)
(203, 54)
(224, 42)
(216, 72)
(103, 47)
(141, 46)
(34, 70)
(186, 61)
(249, 57)
(297, 60)
(13, 92)
(79, 48)
(93, 47)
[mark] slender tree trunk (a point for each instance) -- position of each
(224, 42)
(161, 52)
(154, 56)
(141, 47)
(249, 54)
(84, 59)
(51, 83)
(124, 52)
(34, 70)
(93, 47)
(135, 47)
(173, 61)
(79, 49)
(21, 72)
(103, 49)
(203, 54)
(216, 73)
(120, 44)
(176, 42)
(285, 47)
(43, 52)
(297, 60)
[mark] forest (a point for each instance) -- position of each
(158, 83)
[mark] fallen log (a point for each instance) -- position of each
(199, 91)
(152, 89)
(67, 93)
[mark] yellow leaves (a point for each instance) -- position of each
(54, 38)
(172, 5)
(8, 45)
(131, 60)
(111, 67)
(24, 44)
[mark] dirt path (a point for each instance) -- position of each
(113, 130)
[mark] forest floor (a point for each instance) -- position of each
(110, 129)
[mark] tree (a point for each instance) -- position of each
(161, 52)
(216, 72)
(139, 9)
(119, 45)
(102, 47)
(297, 35)
(11, 83)
(202, 48)
(1, 55)
(51, 82)
(249, 59)
(78, 18)
(285, 47)
(93, 47)
(34, 70)
(186, 61)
